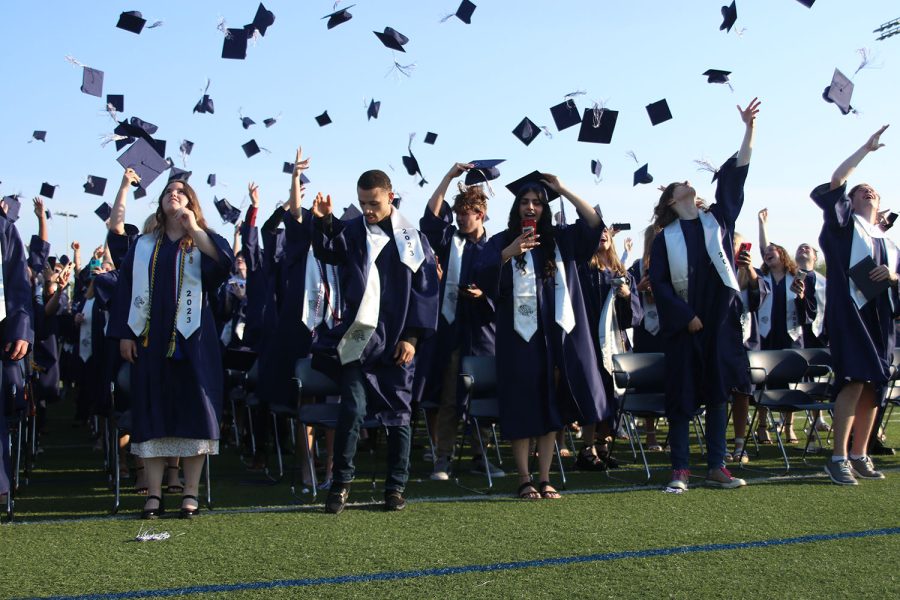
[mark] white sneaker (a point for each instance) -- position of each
(441, 470)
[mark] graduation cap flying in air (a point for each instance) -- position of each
(411, 164)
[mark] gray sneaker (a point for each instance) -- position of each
(840, 472)
(441, 469)
(864, 468)
(480, 465)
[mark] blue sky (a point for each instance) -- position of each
(471, 85)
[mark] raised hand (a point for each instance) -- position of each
(98, 252)
(129, 177)
(300, 164)
(458, 169)
(629, 244)
(76, 246)
(552, 182)
(748, 115)
(39, 207)
(764, 216)
(874, 142)
(322, 206)
(254, 194)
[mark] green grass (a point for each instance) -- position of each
(95, 555)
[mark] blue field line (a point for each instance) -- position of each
(489, 568)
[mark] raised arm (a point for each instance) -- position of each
(585, 210)
(300, 165)
(76, 256)
(236, 242)
(117, 215)
(437, 198)
(842, 173)
(763, 231)
(41, 215)
(748, 116)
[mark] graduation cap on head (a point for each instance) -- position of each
(11, 206)
(228, 213)
(323, 119)
(117, 101)
(186, 146)
(839, 92)
(659, 112)
(642, 175)
(235, 44)
(464, 12)
(565, 114)
(47, 190)
(533, 178)
(338, 17)
(269, 122)
(483, 171)
(729, 16)
(132, 21)
(145, 160)
(103, 211)
(372, 111)
(211, 180)
(526, 131)
(351, 212)
(288, 168)
(92, 82)
(40, 136)
(263, 20)
(598, 125)
(251, 148)
(95, 185)
(392, 38)
(716, 76)
(430, 138)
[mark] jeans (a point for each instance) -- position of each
(679, 438)
(350, 417)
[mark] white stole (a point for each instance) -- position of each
(651, 314)
(411, 253)
(818, 324)
(525, 311)
(676, 247)
(2, 289)
(451, 285)
(609, 336)
(85, 348)
(861, 246)
(190, 293)
(794, 328)
(312, 308)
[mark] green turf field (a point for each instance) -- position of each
(62, 542)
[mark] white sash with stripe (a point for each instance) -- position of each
(525, 310)
(676, 248)
(85, 348)
(794, 327)
(862, 246)
(451, 286)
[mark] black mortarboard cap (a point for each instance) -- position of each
(177, 174)
(140, 193)
(351, 212)
(526, 131)
(95, 185)
(392, 38)
(47, 190)
(534, 177)
(228, 213)
(263, 20)
(186, 146)
(235, 44)
(372, 112)
(430, 138)
(132, 21)
(250, 148)
(103, 211)
(117, 101)
(729, 16)
(41, 136)
(889, 220)
(396, 200)
(565, 114)
(288, 168)
(603, 132)
(246, 122)
(323, 119)
(145, 160)
(211, 180)
(642, 175)
(483, 170)
(13, 206)
(839, 92)
(716, 76)
(807, 3)
(596, 168)
(411, 164)
(92, 82)
(49, 217)
(269, 122)
(464, 12)
(338, 17)
(205, 105)
(659, 112)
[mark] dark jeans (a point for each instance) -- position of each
(679, 438)
(350, 417)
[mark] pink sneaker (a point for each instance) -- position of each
(680, 479)
(722, 478)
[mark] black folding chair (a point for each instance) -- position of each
(238, 364)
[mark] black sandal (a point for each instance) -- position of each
(178, 487)
(527, 491)
(548, 492)
(187, 513)
(153, 513)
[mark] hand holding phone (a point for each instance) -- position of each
(529, 226)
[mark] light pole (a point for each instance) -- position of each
(66, 216)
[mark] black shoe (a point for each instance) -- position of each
(877, 448)
(153, 513)
(189, 513)
(394, 500)
(337, 498)
(607, 458)
(588, 461)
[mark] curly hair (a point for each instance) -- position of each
(789, 265)
(472, 199)
(545, 227)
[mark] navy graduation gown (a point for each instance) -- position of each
(810, 339)
(862, 340)
(704, 367)
(778, 338)
(409, 303)
(533, 401)
(179, 396)
(106, 350)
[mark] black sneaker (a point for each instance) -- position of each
(607, 458)
(337, 498)
(588, 461)
(394, 500)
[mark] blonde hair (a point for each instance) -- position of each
(608, 259)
